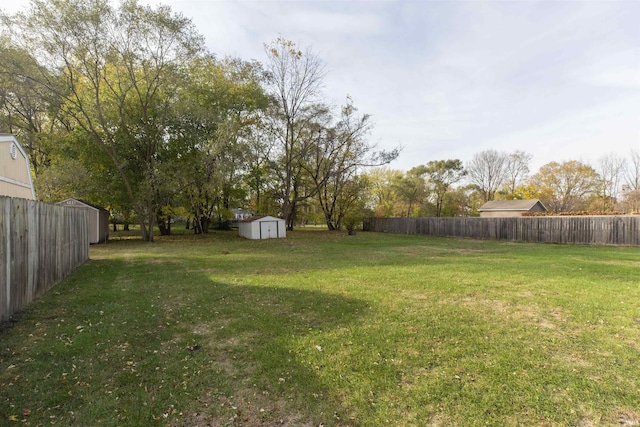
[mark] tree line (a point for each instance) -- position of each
(451, 188)
(123, 106)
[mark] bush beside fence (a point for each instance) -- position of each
(40, 244)
(589, 230)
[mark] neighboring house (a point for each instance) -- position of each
(262, 227)
(15, 173)
(240, 214)
(510, 208)
(98, 219)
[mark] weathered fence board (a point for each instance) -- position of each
(588, 230)
(40, 244)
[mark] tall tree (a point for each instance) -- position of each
(218, 115)
(487, 171)
(442, 174)
(411, 190)
(611, 169)
(295, 82)
(516, 171)
(459, 202)
(342, 152)
(29, 111)
(564, 187)
(632, 171)
(382, 198)
(120, 71)
(631, 186)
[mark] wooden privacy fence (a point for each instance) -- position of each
(40, 244)
(589, 230)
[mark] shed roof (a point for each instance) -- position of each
(259, 217)
(511, 205)
(82, 202)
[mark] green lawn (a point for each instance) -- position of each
(328, 329)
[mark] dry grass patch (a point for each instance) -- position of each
(627, 417)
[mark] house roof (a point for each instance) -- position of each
(510, 205)
(7, 137)
(15, 145)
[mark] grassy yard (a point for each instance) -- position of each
(328, 329)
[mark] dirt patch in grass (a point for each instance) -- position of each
(243, 411)
(572, 360)
(529, 312)
(438, 420)
(245, 404)
(627, 418)
(202, 329)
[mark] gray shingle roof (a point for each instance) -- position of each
(510, 205)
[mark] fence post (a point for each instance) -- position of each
(7, 252)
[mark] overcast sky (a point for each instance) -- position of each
(448, 79)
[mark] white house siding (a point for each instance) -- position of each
(15, 173)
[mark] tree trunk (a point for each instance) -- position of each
(144, 232)
(330, 225)
(286, 213)
(201, 226)
(164, 225)
(290, 216)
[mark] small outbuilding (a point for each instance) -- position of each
(262, 227)
(15, 173)
(510, 208)
(240, 214)
(98, 219)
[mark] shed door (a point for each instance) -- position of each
(269, 230)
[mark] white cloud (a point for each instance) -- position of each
(619, 69)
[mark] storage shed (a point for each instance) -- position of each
(15, 173)
(98, 219)
(262, 227)
(510, 208)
